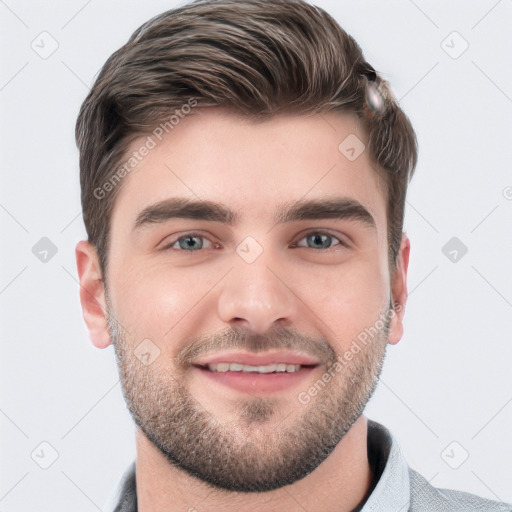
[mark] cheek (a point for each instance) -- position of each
(154, 300)
(163, 303)
(348, 301)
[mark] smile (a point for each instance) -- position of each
(270, 368)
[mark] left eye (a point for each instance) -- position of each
(319, 241)
(190, 243)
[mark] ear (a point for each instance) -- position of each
(92, 294)
(399, 291)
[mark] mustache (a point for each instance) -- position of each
(238, 338)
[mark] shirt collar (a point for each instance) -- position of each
(392, 491)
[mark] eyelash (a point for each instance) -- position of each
(293, 246)
(340, 243)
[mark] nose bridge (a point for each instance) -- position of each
(255, 294)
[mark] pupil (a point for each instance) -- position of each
(190, 242)
(321, 240)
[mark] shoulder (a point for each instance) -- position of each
(123, 497)
(426, 497)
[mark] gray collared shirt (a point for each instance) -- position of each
(398, 489)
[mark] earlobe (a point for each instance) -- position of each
(399, 291)
(92, 294)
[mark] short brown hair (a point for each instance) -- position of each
(259, 58)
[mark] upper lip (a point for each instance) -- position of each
(253, 359)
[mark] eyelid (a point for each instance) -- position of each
(186, 234)
(175, 238)
(342, 240)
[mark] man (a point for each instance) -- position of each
(243, 174)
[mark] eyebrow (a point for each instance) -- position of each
(182, 208)
(338, 208)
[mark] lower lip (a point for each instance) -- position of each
(252, 382)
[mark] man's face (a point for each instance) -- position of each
(287, 266)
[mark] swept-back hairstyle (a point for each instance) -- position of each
(259, 58)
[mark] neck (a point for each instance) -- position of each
(339, 484)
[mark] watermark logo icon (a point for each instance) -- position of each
(249, 249)
(352, 147)
(455, 455)
(44, 455)
(45, 45)
(454, 249)
(44, 250)
(147, 352)
(454, 45)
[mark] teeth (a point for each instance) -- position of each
(269, 368)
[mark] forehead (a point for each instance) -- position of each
(252, 167)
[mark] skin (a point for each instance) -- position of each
(161, 292)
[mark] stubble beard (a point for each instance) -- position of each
(246, 455)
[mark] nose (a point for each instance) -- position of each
(258, 297)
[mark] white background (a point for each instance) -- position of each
(447, 380)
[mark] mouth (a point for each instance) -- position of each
(269, 368)
(257, 373)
